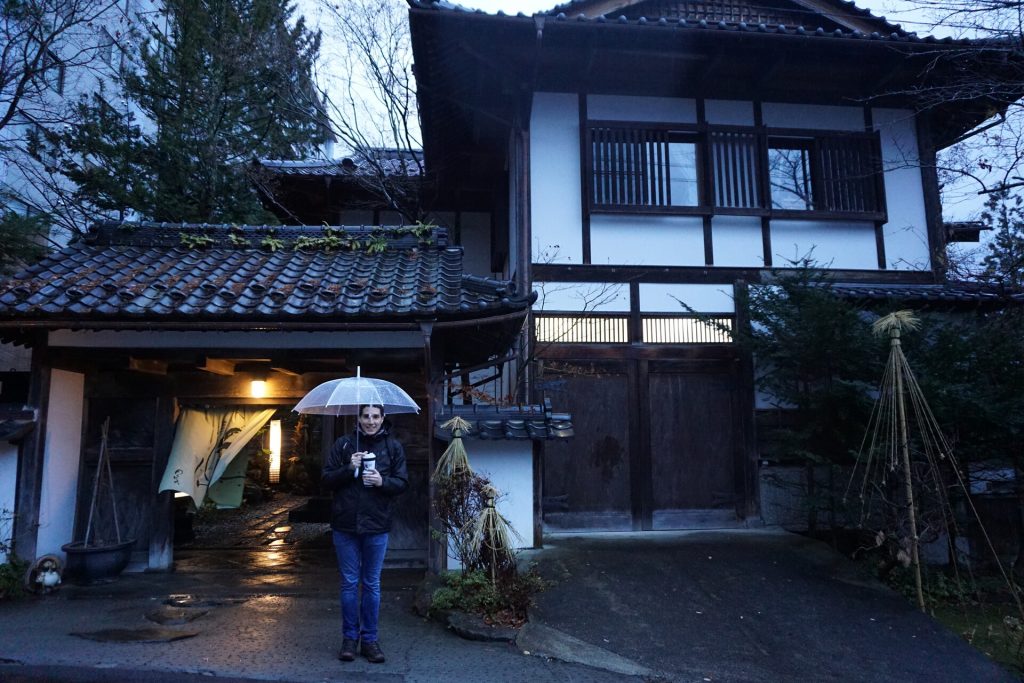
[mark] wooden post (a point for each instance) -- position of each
(28, 495)
(161, 542)
(437, 548)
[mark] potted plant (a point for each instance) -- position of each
(99, 559)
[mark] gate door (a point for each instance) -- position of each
(693, 441)
(587, 479)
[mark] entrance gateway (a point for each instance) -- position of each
(658, 444)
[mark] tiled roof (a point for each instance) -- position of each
(193, 273)
(391, 162)
(950, 292)
(516, 423)
(573, 6)
(893, 36)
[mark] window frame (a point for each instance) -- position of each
(863, 147)
(811, 173)
(53, 72)
(670, 133)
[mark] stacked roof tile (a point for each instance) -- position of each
(183, 272)
(515, 423)
(896, 34)
(947, 293)
(388, 162)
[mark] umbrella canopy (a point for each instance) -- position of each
(344, 396)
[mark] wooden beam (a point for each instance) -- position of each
(218, 366)
(150, 366)
(712, 275)
(285, 371)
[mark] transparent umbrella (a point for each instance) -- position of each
(344, 396)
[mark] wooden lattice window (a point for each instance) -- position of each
(835, 173)
(674, 329)
(653, 167)
(734, 155)
(570, 328)
(734, 170)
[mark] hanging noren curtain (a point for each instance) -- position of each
(206, 443)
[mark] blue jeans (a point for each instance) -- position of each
(360, 559)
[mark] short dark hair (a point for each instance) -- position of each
(371, 405)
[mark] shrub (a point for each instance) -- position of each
(473, 591)
(12, 578)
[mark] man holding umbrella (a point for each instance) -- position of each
(365, 471)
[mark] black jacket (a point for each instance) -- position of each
(356, 508)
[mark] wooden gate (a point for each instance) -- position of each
(693, 439)
(658, 445)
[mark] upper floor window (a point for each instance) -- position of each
(638, 167)
(53, 72)
(105, 47)
(734, 170)
(789, 174)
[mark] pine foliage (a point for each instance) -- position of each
(224, 82)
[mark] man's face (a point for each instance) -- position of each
(370, 420)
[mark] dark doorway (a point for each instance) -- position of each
(655, 446)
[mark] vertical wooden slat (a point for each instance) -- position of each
(648, 175)
(620, 167)
(751, 166)
(607, 194)
(627, 165)
(719, 152)
(638, 167)
(634, 167)
(661, 163)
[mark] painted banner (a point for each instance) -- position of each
(205, 444)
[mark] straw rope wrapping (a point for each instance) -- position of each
(491, 539)
(886, 452)
(454, 458)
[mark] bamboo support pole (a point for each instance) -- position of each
(908, 484)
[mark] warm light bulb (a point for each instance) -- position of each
(258, 388)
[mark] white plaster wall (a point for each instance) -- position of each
(604, 297)
(659, 298)
(556, 212)
(906, 233)
(736, 241)
(654, 109)
(831, 244)
(8, 488)
(509, 466)
(60, 462)
(678, 240)
(475, 234)
(814, 116)
(729, 112)
(641, 240)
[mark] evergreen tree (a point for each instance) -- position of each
(1004, 214)
(224, 82)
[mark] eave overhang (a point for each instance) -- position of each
(476, 72)
(181, 277)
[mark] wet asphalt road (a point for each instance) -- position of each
(737, 607)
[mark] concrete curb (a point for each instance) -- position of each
(538, 639)
(473, 627)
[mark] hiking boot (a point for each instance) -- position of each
(372, 652)
(348, 650)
